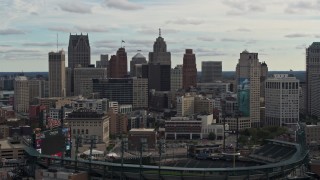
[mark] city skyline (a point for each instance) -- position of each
(215, 30)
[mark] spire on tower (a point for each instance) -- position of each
(159, 32)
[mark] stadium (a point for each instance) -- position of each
(274, 160)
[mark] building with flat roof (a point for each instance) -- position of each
(89, 123)
(142, 137)
(11, 150)
(57, 74)
(21, 94)
(189, 75)
(211, 71)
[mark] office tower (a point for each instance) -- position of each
(136, 60)
(78, 51)
(36, 89)
(140, 93)
(78, 56)
(83, 80)
(122, 90)
(69, 81)
(189, 70)
(248, 86)
(158, 76)
(160, 54)
(312, 71)
(185, 105)
(57, 84)
(303, 97)
(104, 61)
(176, 78)
(118, 64)
(282, 100)
(211, 71)
(21, 94)
(263, 77)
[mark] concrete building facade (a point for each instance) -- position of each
(57, 74)
(176, 78)
(281, 100)
(21, 94)
(83, 80)
(118, 64)
(185, 105)
(248, 72)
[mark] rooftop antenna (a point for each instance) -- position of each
(122, 41)
(57, 41)
(159, 32)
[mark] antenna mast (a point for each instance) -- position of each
(57, 41)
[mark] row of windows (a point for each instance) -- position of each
(283, 85)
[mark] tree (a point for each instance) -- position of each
(212, 136)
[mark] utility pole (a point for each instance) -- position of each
(160, 152)
(123, 145)
(78, 141)
(141, 149)
(92, 140)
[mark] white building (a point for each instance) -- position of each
(281, 100)
(21, 94)
(185, 105)
(125, 108)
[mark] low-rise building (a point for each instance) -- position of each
(88, 123)
(11, 149)
(183, 128)
(142, 137)
(312, 135)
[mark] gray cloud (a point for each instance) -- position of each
(207, 39)
(240, 7)
(11, 31)
(60, 29)
(5, 45)
(296, 35)
(301, 6)
(123, 5)
(19, 51)
(76, 7)
(243, 30)
(231, 40)
(140, 42)
(191, 21)
(43, 44)
(155, 31)
(91, 29)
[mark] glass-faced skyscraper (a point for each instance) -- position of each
(248, 86)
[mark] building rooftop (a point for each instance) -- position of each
(142, 130)
(5, 144)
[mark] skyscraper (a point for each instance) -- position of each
(189, 69)
(57, 78)
(136, 59)
(248, 86)
(118, 64)
(160, 54)
(21, 94)
(211, 71)
(158, 76)
(263, 77)
(83, 79)
(78, 56)
(104, 61)
(282, 100)
(176, 78)
(78, 51)
(312, 78)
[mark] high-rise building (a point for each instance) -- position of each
(189, 70)
(185, 105)
(140, 93)
(312, 71)
(36, 89)
(282, 100)
(78, 51)
(78, 56)
(118, 64)
(158, 76)
(83, 79)
(21, 94)
(160, 54)
(248, 72)
(176, 78)
(211, 71)
(123, 90)
(136, 60)
(57, 78)
(104, 61)
(263, 77)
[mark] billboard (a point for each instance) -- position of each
(53, 142)
(244, 96)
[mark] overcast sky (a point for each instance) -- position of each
(217, 30)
